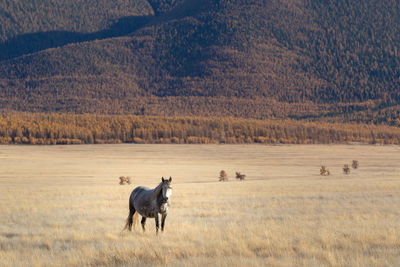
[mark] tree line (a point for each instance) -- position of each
(53, 128)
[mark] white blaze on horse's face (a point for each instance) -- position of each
(168, 193)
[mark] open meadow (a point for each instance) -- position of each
(63, 206)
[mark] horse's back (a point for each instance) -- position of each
(138, 191)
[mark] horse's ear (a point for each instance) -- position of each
(170, 179)
(162, 179)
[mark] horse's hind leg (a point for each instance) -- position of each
(143, 222)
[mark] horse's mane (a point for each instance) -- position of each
(157, 191)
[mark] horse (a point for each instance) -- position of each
(149, 203)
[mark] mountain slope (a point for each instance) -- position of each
(31, 16)
(339, 55)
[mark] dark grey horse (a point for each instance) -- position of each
(149, 203)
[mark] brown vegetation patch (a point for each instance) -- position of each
(240, 176)
(324, 171)
(223, 176)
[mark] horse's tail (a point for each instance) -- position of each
(131, 220)
(127, 223)
(134, 220)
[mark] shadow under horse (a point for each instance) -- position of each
(149, 203)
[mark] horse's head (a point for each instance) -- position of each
(166, 188)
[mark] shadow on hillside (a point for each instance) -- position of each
(34, 42)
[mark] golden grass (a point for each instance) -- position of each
(61, 206)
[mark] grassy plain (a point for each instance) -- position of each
(63, 206)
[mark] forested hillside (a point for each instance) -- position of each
(300, 58)
(81, 16)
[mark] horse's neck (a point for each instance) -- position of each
(157, 191)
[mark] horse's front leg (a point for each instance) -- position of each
(156, 218)
(163, 221)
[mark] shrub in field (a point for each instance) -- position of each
(355, 164)
(223, 176)
(122, 180)
(346, 169)
(240, 176)
(324, 171)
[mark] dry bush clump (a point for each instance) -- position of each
(240, 176)
(124, 180)
(355, 164)
(324, 171)
(346, 169)
(223, 176)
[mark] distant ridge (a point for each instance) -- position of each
(303, 59)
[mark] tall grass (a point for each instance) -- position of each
(278, 219)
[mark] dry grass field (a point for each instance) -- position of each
(63, 206)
